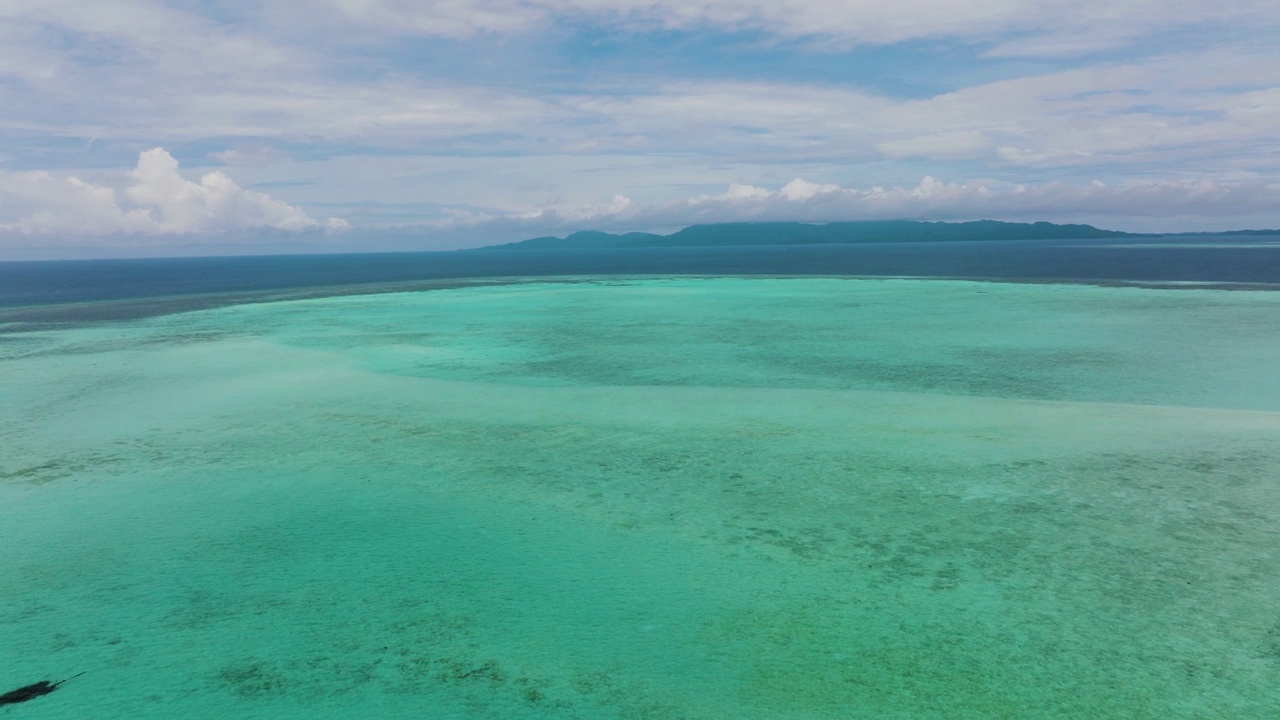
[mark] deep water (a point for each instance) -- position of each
(1226, 259)
(650, 498)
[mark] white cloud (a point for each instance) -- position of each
(737, 193)
(1039, 27)
(248, 156)
(368, 131)
(937, 200)
(154, 199)
(167, 76)
(458, 18)
(121, 32)
(1151, 206)
(799, 189)
(931, 199)
(924, 143)
(620, 205)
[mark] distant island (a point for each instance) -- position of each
(872, 231)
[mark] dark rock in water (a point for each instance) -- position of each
(23, 694)
(32, 691)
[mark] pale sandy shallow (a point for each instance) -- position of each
(661, 499)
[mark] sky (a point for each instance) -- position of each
(180, 127)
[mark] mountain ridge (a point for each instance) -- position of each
(865, 231)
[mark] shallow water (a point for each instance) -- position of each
(718, 498)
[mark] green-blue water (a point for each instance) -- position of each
(717, 498)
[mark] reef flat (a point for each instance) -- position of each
(664, 498)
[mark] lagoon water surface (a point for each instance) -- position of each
(651, 498)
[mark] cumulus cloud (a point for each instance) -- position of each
(736, 194)
(154, 199)
(799, 189)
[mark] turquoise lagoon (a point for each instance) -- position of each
(651, 498)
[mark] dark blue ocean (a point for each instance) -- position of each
(216, 280)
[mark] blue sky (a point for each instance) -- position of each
(135, 127)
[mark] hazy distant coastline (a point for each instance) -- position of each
(881, 231)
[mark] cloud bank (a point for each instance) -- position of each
(931, 199)
(154, 200)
